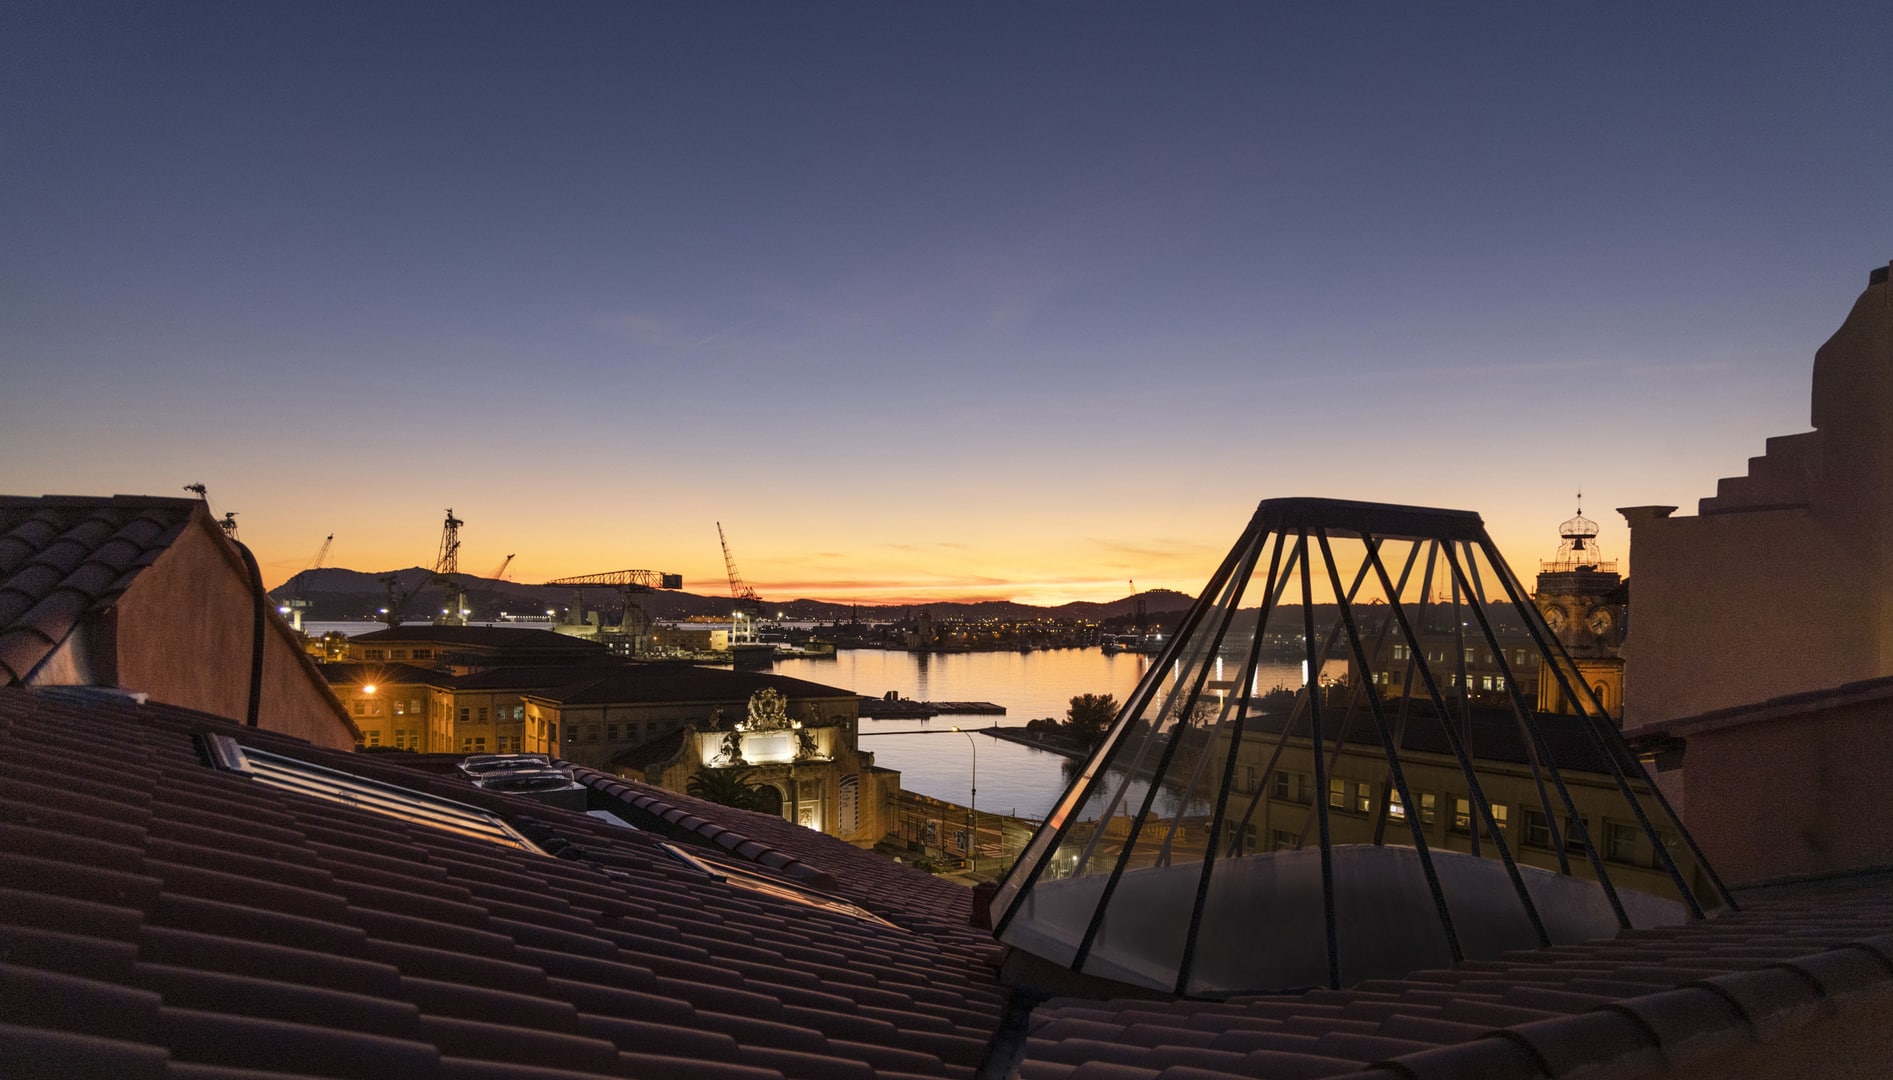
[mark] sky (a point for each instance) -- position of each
(920, 301)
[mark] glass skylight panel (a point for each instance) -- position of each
(1249, 822)
(719, 868)
(389, 800)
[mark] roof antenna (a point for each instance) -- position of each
(199, 490)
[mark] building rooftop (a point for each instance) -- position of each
(65, 557)
(681, 682)
(164, 917)
(489, 637)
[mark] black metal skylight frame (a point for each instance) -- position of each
(1455, 542)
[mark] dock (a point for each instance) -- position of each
(892, 708)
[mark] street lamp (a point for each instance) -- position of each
(972, 812)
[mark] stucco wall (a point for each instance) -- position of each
(1750, 600)
(1793, 796)
(1739, 608)
(184, 636)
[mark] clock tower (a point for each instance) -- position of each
(1586, 605)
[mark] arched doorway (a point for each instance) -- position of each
(769, 799)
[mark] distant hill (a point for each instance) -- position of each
(336, 594)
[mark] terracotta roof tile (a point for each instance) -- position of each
(63, 557)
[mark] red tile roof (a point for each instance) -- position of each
(157, 910)
(63, 557)
(162, 918)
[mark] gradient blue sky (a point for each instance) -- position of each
(919, 300)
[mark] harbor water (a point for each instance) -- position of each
(935, 760)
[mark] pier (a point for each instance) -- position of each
(899, 708)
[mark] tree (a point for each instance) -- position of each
(1089, 716)
(725, 787)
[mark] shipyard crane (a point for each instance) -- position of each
(296, 605)
(629, 583)
(745, 605)
(485, 592)
(446, 564)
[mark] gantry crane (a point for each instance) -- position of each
(745, 605)
(446, 564)
(635, 622)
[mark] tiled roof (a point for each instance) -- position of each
(682, 682)
(377, 671)
(162, 918)
(490, 637)
(63, 557)
(1647, 999)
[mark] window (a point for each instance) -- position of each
(465, 715)
(1462, 816)
(1620, 842)
(400, 708)
(1498, 814)
(519, 712)
(1283, 841)
(333, 785)
(1468, 656)
(414, 706)
(1537, 829)
(473, 745)
(397, 654)
(423, 654)
(1349, 795)
(407, 739)
(483, 714)
(1498, 682)
(1429, 808)
(1292, 787)
(552, 734)
(1399, 652)
(1249, 838)
(371, 738)
(361, 707)
(1485, 682)
(611, 732)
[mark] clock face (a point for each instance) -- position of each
(1554, 618)
(1600, 621)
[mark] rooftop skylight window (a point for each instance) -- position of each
(1247, 823)
(389, 800)
(718, 868)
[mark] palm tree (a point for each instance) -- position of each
(725, 787)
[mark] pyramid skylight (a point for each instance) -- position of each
(1357, 757)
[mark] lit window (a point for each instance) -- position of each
(1462, 815)
(1429, 808)
(1284, 841)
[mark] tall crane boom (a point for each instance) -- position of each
(738, 590)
